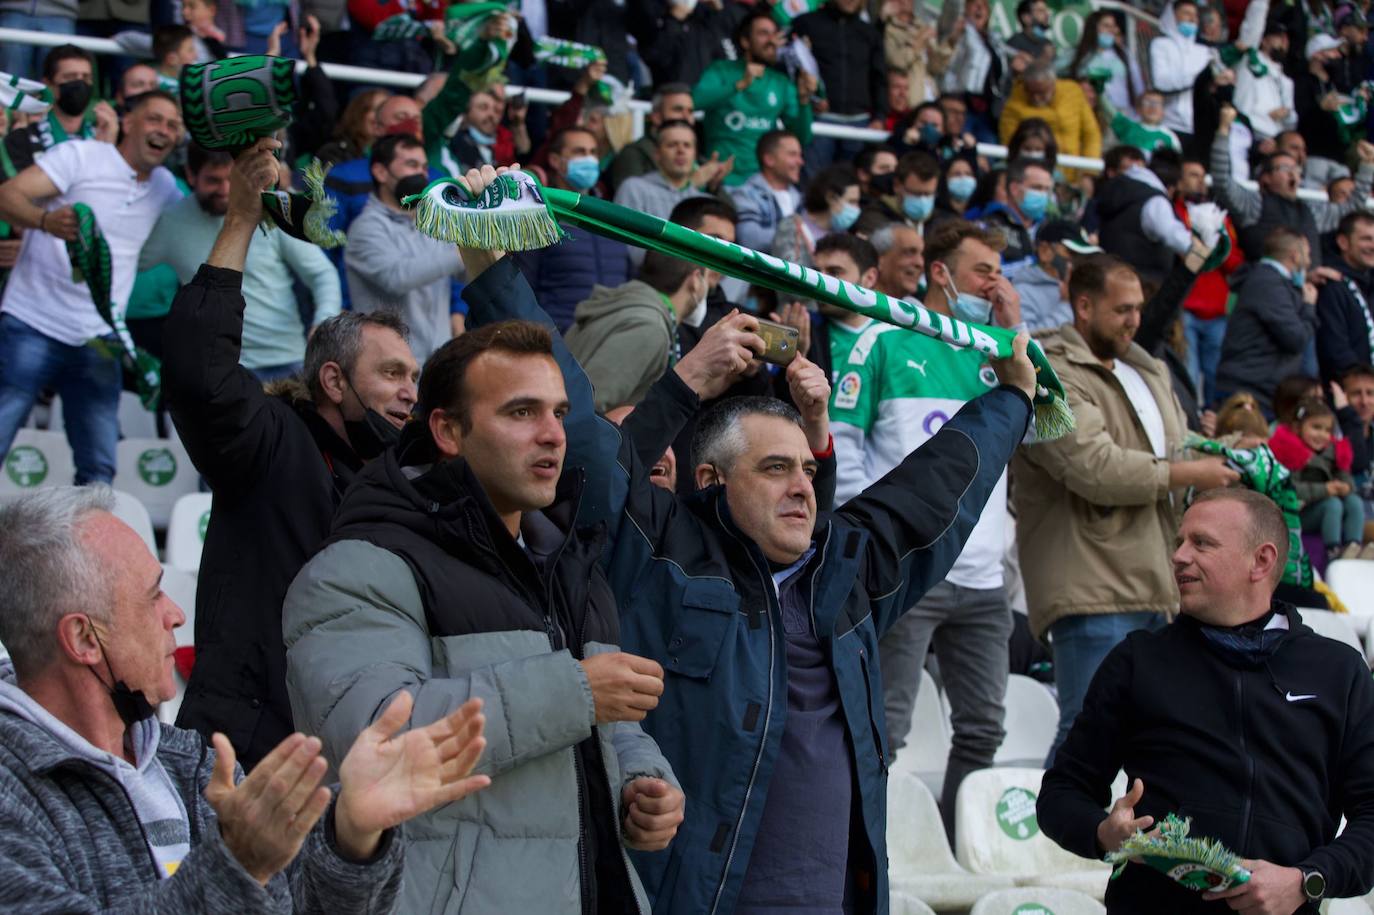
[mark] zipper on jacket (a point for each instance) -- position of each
(868, 691)
(767, 720)
(1249, 763)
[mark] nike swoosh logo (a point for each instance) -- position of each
(1292, 698)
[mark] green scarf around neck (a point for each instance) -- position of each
(517, 213)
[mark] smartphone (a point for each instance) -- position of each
(516, 100)
(781, 340)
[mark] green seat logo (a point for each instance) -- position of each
(1031, 908)
(1016, 814)
(26, 466)
(157, 466)
(204, 524)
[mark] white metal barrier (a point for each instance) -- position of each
(352, 74)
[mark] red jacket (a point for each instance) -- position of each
(1294, 454)
(1210, 293)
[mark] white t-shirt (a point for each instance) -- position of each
(41, 292)
(787, 204)
(1138, 393)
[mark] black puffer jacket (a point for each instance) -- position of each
(278, 471)
(1265, 758)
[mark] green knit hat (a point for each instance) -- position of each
(231, 104)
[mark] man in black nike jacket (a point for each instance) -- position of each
(1238, 716)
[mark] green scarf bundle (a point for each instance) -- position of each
(516, 213)
(572, 54)
(1261, 471)
(1204, 865)
(463, 24)
(231, 104)
(24, 95)
(90, 258)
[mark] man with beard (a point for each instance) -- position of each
(69, 74)
(278, 465)
(1095, 520)
(273, 336)
(47, 318)
(1343, 309)
(391, 265)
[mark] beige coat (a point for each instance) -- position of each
(1095, 522)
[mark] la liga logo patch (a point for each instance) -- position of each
(847, 391)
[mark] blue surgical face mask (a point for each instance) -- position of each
(1106, 40)
(918, 209)
(1188, 30)
(1035, 204)
(961, 187)
(965, 305)
(930, 134)
(846, 217)
(481, 139)
(1040, 31)
(583, 172)
(1299, 277)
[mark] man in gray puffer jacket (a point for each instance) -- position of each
(102, 809)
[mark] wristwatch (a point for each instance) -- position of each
(1314, 885)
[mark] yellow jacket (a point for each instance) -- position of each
(1070, 117)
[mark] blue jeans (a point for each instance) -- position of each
(27, 60)
(1204, 352)
(88, 383)
(1339, 519)
(1079, 644)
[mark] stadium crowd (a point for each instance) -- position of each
(563, 518)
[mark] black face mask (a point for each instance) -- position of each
(131, 705)
(409, 185)
(372, 434)
(73, 96)
(1195, 198)
(1225, 94)
(882, 184)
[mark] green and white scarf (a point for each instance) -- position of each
(24, 95)
(1364, 310)
(400, 27)
(516, 213)
(231, 104)
(1203, 865)
(572, 54)
(90, 258)
(463, 24)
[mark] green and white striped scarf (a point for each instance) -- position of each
(572, 54)
(400, 27)
(24, 95)
(516, 213)
(90, 258)
(463, 24)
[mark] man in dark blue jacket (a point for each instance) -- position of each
(1237, 716)
(1344, 312)
(766, 616)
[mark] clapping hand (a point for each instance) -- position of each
(388, 777)
(810, 391)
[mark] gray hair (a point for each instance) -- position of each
(719, 438)
(885, 238)
(48, 572)
(1039, 73)
(340, 340)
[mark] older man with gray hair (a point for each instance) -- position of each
(104, 809)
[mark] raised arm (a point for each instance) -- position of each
(219, 407)
(920, 514)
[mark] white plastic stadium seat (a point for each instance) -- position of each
(181, 587)
(158, 471)
(186, 531)
(920, 863)
(996, 832)
(1353, 582)
(1332, 625)
(132, 512)
(36, 459)
(1038, 900)
(134, 420)
(927, 744)
(1031, 721)
(906, 904)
